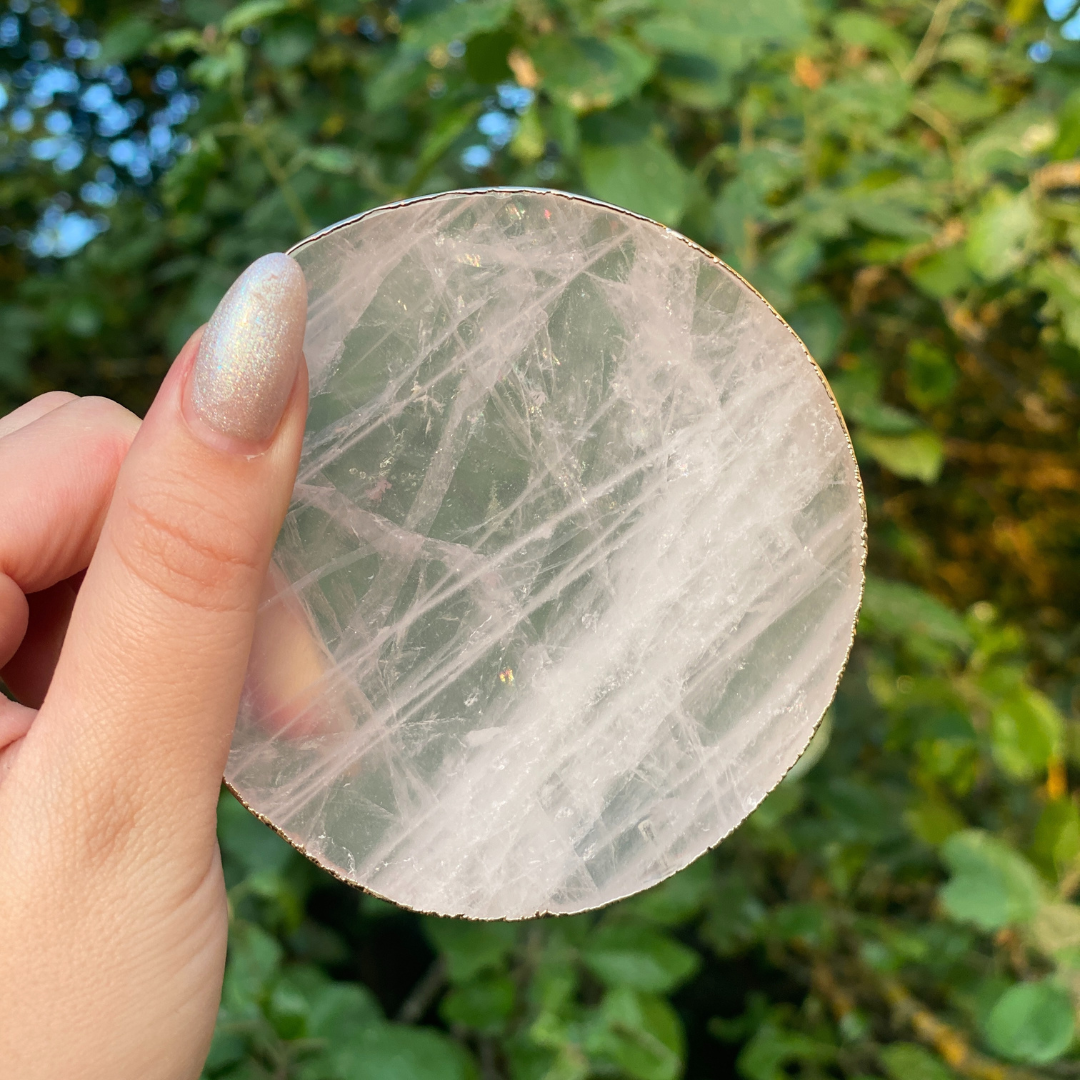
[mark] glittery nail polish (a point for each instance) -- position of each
(250, 350)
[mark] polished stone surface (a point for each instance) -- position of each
(572, 563)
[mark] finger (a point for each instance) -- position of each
(290, 687)
(142, 702)
(15, 721)
(58, 465)
(56, 480)
(29, 671)
(29, 412)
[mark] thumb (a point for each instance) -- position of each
(137, 722)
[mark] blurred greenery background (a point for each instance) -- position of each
(901, 179)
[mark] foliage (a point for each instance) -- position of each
(900, 179)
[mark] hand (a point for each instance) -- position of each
(112, 904)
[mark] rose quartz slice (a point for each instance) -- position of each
(572, 564)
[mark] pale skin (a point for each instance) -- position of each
(113, 918)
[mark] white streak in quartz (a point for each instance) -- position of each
(581, 530)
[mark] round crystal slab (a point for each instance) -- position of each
(572, 564)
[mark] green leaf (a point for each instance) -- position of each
(696, 82)
(892, 210)
(587, 74)
(1057, 928)
(945, 273)
(216, 69)
(729, 35)
(485, 57)
(341, 1011)
(175, 42)
(737, 215)
(735, 917)
(1009, 145)
(287, 1009)
(930, 373)
(289, 42)
(332, 159)
(909, 1061)
(814, 752)
(638, 957)
(1068, 138)
(918, 455)
(183, 187)
(528, 142)
(961, 103)
(394, 82)
(1026, 730)
(457, 22)
(933, 820)
(992, 886)
(249, 13)
(253, 846)
(644, 177)
(17, 326)
(790, 262)
(780, 803)
(127, 39)
(678, 899)
(806, 924)
(254, 959)
(1000, 235)
(863, 102)
(470, 947)
(227, 1048)
(899, 609)
(440, 138)
(862, 28)
(884, 419)
(484, 1004)
(1056, 842)
(821, 325)
(773, 1047)
(1059, 278)
(1033, 1023)
(639, 1033)
(397, 1052)
(1021, 11)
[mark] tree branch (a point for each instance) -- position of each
(924, 54)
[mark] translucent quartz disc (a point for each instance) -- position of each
(571, 567)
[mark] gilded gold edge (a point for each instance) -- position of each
(712, 257)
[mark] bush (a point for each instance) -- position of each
(899, 178)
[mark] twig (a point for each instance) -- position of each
(950, 1044)
(423, 993)
(937, 121)
(840, 1002)
(1055, 176)
(489, 1070)
(1070, 881)
(1034, 470)
(924, 54)
(951, 233)
(966, 327)
(277, 173)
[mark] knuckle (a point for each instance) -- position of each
(98, 430)
(191, 550)
(110, 424)
(56, 397)
(105, 409)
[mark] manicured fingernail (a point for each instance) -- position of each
(250, 351)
